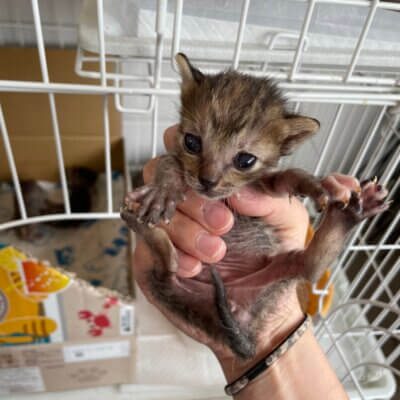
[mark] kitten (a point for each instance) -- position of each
(81, 181)
(233, 130)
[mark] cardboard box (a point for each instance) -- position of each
(29, 124)
(57, 331)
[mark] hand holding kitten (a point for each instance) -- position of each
(233, 130)
(193, 218)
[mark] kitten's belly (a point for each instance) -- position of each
(249, 243)
(250, 236)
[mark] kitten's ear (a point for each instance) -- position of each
(298, 129)
(188, 73)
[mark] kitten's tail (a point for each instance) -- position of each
(240, 340)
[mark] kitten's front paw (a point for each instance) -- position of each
(154, 203)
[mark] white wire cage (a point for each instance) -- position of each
(343, 72)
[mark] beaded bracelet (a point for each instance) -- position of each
(239, 384)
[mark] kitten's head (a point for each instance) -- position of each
(233, 128)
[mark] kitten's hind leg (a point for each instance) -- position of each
(346, 209)
(339, 220)
(189, 301)
(166, 257)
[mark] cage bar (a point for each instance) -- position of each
(304, 30)
(353, 139)
(240, 33)
(53, 111)
(321, 159)
(59, 217)
(323, 97)
(345, 363)
(12, 166)
(106, 122)
(176, 38)
(362, 273)
(364, 3)
(361, 40)
(385, 137)
(100, 32)
(160, 26)
(363, 151)
(378, 292)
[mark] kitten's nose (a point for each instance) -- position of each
(207, 184)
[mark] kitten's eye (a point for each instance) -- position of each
(192, 143)
(244, 160)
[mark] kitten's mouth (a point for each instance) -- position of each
(209, 194)
(214, 195)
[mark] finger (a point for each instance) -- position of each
(169, 142)
(170, 137)
(149, 169)
(339, 193)
(287, 215)
(249, 201)
(212, 215)
(190, 237)
(349, 181)
(142, 264)
(137, 194)
(188, 266)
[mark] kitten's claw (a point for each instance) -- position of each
(342, 205)
(369, 202)
(144, 206)
(153, 203)
(372, 181)
(356, 203)
(322, 202)
(169, 211)
(137, 194)
(341, 189)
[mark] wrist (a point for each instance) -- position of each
(278, 327)
(276, 380)
(303, 372)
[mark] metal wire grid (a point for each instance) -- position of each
(59, 22)
(374, 290)
(380, 266)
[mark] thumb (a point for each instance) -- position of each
(286, 214)
(252, 202)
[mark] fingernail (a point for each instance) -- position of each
(216, 215)
(208, 245)
(187, 267)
